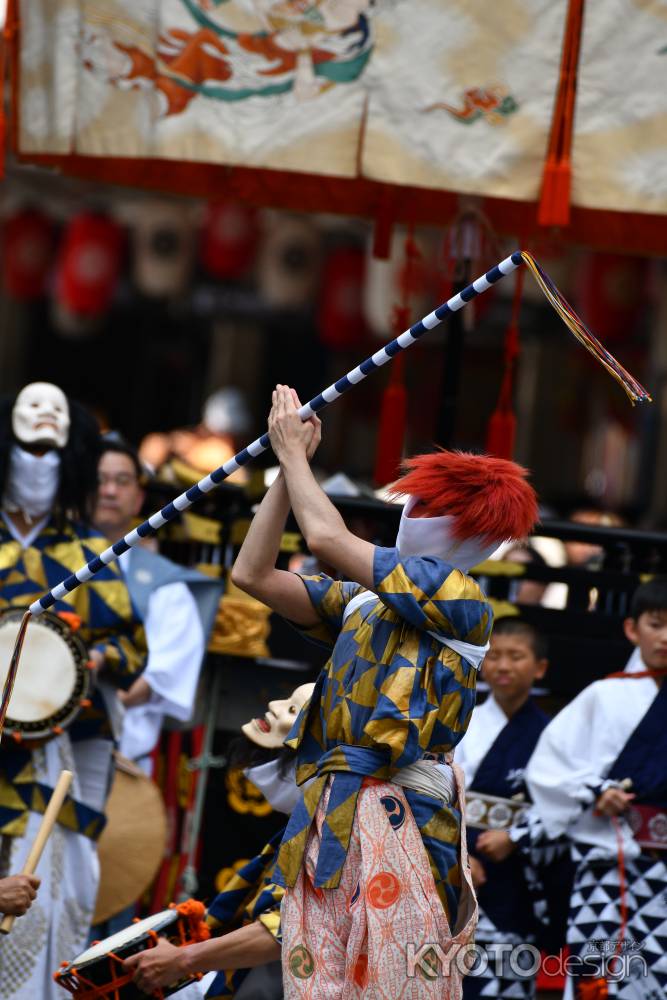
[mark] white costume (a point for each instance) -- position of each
(488, 720)
(176, 647)
(567, 773)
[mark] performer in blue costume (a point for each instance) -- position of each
(375, 843)
(599, 776)
(493, 755)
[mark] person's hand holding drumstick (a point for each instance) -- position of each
(17, 894)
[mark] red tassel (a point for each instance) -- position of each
(501, 430)
(391, 428)
(501, 434)
(554, 206)
(393, 411)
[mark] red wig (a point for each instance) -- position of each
(488, 497)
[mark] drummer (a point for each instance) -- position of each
(177, 606)
(48, 470)
(250, 899)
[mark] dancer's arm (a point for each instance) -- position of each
(321, 525)
(240, 949)
(255, 568)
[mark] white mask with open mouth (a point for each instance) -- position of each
(40, 418)
(271, 731)
(433, 536)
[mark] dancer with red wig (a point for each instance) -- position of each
(379, 900)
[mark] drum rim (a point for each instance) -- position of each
(68, 712)
(168, 917)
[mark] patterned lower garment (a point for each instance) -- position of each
(55, 928)
(595, 921)
(496, 975)
(369, 938)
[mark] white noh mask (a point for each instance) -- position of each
(272, 730)
(40, 417)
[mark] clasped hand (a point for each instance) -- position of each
(290, 435)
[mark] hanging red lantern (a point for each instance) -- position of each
(229, 239)
(341, 316)
(90, 259)
(28, 249)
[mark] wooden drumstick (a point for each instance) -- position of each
(13, 670)
(47, 824)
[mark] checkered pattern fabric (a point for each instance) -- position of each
(595, 922)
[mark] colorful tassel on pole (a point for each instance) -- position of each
(554, 206)
(633, 389)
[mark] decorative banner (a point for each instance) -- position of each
(446, 95)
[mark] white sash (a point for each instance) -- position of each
(472, 653)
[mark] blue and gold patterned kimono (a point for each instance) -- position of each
(390, 694)
(108, 623)
(250, 895)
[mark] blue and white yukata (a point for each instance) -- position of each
(616, 729)
(493, 756)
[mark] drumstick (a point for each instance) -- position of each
(47, 824)
(13, 670)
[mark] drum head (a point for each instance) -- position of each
(126, 938)
(133, 842)
(51, 679)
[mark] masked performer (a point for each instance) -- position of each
(373, 858)
(245, 917)
(48, 454)
(599, 776)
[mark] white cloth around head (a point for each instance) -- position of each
(434, 536)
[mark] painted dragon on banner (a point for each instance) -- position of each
(304, 46)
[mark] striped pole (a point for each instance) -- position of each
(381, 357)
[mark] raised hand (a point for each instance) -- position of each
(290, 435)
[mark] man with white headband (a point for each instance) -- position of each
(48, 469)
(378, 896)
